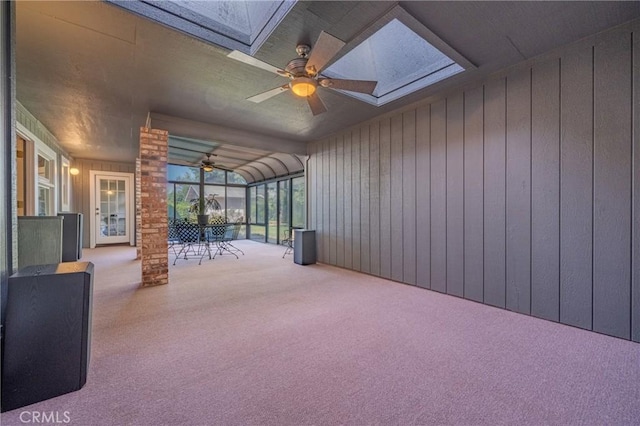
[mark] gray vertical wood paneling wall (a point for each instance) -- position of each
(522, 192)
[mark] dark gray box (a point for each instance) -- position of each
(47, 340)
(39, 240)
(304, 246)
(71, 236)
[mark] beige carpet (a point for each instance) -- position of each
(260, 340)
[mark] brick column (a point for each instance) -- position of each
(138, 212)
(153, 206)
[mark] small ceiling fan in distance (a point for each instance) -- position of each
(304, 73)
(205, 164)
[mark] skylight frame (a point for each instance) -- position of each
(172, 15)
(405, 18)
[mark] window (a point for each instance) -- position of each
(235, 178)
(215, 176)
(182, 173)
(281, 203)
(236, 204)
(284, 215)
(260, 205)
(45, 168)
(298, 210)
(253, 194)
(272, 212)
(180, 199)
(40, 175)
(233, 24)
(258, 231)
(423, 60)
(227, 201)
(44, 201)
(65, 185)
(215, 201)
(46, 204)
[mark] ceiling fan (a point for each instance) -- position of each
(304, 73)
(205, 164)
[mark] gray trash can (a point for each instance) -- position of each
(304, 246)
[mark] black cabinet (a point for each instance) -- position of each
(39, 240)
(47, 332)
(71, 236)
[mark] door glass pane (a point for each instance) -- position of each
(121, 204)
(272, 211)
(299, 202)
(113, 213)
(283, 215)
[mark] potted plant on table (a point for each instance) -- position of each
(204, 207)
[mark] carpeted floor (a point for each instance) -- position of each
(260, 340)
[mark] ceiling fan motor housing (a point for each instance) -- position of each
(296, 67)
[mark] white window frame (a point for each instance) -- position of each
(65, 184)
(41, 149)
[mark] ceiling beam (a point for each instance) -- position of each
(220, 134)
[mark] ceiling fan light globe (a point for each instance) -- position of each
(207, 168)
(303, 86)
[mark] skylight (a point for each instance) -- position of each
(234, 24)
(398, 58)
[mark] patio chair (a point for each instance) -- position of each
(235, 228)
(190, 239)
(173, 239)
(288, 242)
(220, 234)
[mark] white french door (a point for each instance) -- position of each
(111, 203)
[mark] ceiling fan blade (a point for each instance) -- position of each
(323, 51)
(316, 104)
(361, 86)
(250, 60)
(224, 168)
(206, 163)
(268, 94)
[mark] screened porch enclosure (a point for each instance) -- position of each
(267, 210)
(275, 208)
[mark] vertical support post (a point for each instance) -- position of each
(8, 214)
(153, 206)
(138, 203)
